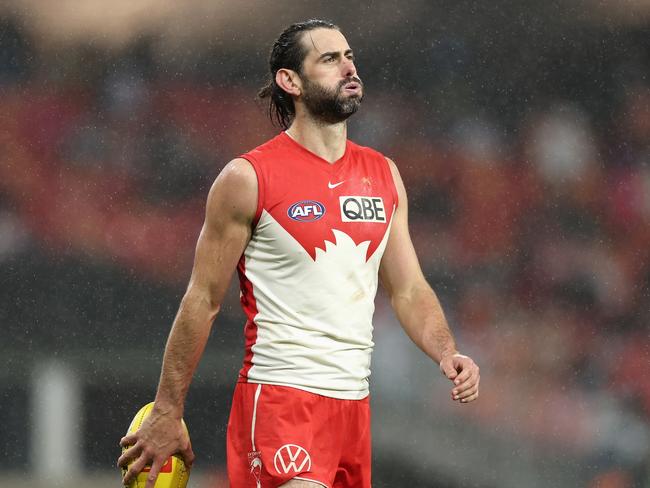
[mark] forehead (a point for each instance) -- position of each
(319, 41)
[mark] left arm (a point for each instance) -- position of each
(417, 307)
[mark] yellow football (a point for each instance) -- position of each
(173, 474)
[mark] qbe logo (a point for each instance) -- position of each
(362, 209)
(306, 211)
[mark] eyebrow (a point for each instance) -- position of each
(335, 54)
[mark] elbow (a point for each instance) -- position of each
(400, 302)
(202, 299)
(214, 310)
(212, 305)
(416, 296)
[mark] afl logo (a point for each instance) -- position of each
(306, 211)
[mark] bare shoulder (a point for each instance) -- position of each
(399, 184)
(234, 192)
(237, 175)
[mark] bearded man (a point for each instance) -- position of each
(312, 222)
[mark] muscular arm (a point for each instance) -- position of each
(417, 307)
(226, 231)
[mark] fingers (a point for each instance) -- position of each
(188, 456)
(129, 455)
(152, 445)
(467, 381)
(447, 368)
(135, 468)
(129, 439)
(153, 473)
(469, 393)
(464, 375)
(470, 398)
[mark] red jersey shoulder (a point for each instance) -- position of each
(268, 148)
(310, 199)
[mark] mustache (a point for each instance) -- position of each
(350, 79)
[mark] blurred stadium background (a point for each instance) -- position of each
(522, 131)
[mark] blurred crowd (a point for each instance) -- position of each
(541, 254)
(534, 233)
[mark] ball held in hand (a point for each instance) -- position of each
(173, 474)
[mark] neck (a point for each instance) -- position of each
(324, 140)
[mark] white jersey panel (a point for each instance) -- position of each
(314, 320)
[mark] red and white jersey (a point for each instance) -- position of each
(310, 271)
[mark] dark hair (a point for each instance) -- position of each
(287, 52)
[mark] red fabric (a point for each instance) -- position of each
(288, 173)
(249, 306)
(297, 434)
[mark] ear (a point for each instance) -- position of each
(289, 81)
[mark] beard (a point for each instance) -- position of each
(331, 106)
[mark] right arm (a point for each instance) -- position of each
(230, 211)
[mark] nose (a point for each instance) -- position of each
(348, 68)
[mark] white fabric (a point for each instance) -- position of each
(314, 316)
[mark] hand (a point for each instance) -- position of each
(464, 373)
(159, 436)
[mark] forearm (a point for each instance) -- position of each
(183, 351)
(422, 318)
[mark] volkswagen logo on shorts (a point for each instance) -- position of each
(306, 211)
(291, 458)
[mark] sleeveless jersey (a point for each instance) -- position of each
(309, 274)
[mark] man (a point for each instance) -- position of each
(311, 221)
